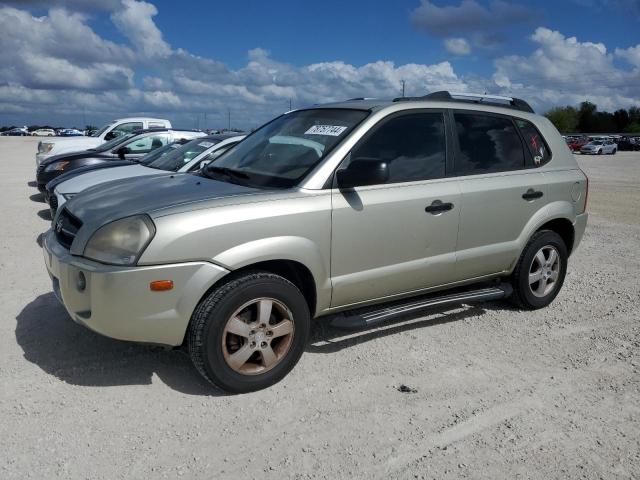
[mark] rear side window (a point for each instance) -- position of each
(413, 146)
(487, 143)
(540, 153)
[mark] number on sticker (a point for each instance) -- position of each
(330, 130)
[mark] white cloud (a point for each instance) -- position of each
(457, 46)
(135, 21)
(631, 55)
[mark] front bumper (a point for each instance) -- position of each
(117, 301)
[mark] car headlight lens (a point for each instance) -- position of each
(56, 167)
(45, 147)
(121, 242)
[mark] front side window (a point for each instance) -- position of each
(412, 146)
(488, 143)
(281, 153)
(535, 143)
(147, 143)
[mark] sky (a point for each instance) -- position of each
(199, 63)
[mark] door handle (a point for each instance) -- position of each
(532, 194)
(438, 207)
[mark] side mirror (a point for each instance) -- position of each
(122, 151)
(363, 171)
(204, 163)
(112, 134)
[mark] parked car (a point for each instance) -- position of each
(44, 132)
(130, 147)
(576, 143)
(16, 132)
(598, 147)
(70, 132)
(629, 144)
(329, 210)
(177, 157)
(107, 132)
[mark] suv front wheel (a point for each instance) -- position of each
(248, 333)
(540, 271)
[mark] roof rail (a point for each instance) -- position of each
(478, 98)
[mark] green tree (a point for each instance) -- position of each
(587, 122)
(621, 119)
(565, 119)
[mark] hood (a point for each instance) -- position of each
(149, 195)
(75, 156)
(87, 168)
(90, 177)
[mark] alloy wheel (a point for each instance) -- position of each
(544, 271)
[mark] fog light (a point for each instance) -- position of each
(161, 285)
(82, 282)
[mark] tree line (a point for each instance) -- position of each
(587, 119)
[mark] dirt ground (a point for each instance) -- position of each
(500, 393)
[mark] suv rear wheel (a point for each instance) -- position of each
(249, 333)
(540, 271)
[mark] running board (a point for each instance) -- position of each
(358, 321)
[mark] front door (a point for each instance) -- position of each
(389, 239)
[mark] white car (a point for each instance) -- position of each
(599, 147)
(108, 132)
(44, 132)
(187, 157)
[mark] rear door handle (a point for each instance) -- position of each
(532, 194)
(438, 207)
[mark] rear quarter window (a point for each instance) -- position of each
(540, 153)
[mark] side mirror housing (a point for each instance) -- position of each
(122, 151)
(363, 171)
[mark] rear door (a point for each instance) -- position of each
(501, 188)
(384, 242)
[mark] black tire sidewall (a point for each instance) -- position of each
(212, 355)
(542, 240)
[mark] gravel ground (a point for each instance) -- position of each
(500, 393)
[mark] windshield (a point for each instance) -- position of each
(180, 156)
(112, 143)
(102, 130)
(159, 152)
(596, 143)
(281, 153)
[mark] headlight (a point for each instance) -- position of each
(67, 196)
(56, 166)
(121, 242)
(44, 147)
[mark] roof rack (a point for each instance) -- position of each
(478, 98)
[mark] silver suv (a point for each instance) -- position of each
(364, 210)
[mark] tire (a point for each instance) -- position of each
(614, 151)
(533, 296)
(599, 152)
(211, 344)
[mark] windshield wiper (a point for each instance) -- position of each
(230, 172)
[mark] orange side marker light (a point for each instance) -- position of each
(161, 285)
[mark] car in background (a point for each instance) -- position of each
(599, 147)
(16, 132)
(108, 132)
(576, 143)
(181, 158)
(44, 132)
(629, 144)
(70, 132)
(130, 147)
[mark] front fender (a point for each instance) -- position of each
(297, 249)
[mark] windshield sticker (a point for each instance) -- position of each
(206, 144)
(330, 130)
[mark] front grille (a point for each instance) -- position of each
(66, 228)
